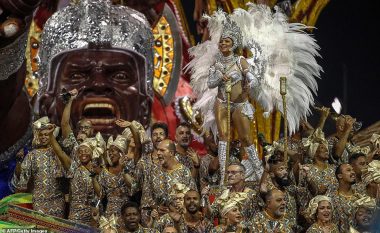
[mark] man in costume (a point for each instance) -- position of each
(359, 163)
(191, 220)
(272, 218)
(340, 142)
(345, 197)
(43, 166)
(163, 177)
(131, 218)
(159, 133)
(364, 215)
(279, 178)
(236, 189)
(318, 177)
(184, 153)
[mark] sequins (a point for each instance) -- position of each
(98, 22)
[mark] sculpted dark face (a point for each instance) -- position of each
(109, 87)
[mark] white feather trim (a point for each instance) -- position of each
(279, 49)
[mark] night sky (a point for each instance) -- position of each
(346, 32)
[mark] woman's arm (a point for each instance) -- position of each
(215, 77)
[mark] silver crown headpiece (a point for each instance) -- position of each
(98, 22)
(232, 30)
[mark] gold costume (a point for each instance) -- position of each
(324, 179)
(158, 184)
(43, 166)
(82, 193)
(316, 228)
(248, 199)
(241, 110)
(264, 223)
(115, 190)
(203, 226)
(344, 209)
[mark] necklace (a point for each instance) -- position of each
(347, 196)
(228, 62)
(227, 59)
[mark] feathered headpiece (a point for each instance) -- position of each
(231, 30)
(279, 49)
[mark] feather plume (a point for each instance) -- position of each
(279, 49)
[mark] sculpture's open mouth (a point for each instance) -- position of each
(100, 111)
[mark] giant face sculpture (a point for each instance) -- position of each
(108, 81)
(106, 55)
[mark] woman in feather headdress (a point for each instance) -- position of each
(278, 49)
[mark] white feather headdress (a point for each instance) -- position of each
(279, 49)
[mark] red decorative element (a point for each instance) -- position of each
(26, 205)
(166, 114)
(42, 15)
(159, 7)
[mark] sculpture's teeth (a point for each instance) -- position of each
(100, 105)
(102, 121)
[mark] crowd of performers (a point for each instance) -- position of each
(142, 181)
(145, 182)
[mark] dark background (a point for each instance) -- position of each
(346, 32)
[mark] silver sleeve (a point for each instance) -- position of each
(253, 81)
(214, 77)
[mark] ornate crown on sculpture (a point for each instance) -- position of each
(232, 30)
(97, 22)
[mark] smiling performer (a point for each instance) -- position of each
(320, 211)
(344, 198)
(42, 166)
(84, 187)
(218, 72)
(111, 178)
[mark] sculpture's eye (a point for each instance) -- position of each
(78, 77)
(122, 77)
